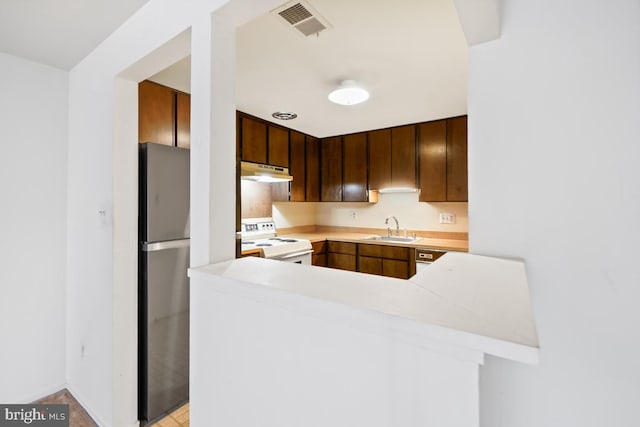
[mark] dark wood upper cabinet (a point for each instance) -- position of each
(253, 140)
(183, 120)
(457, 175)
(331, 169)
(429, 155)
(155, 113)
(432, 148)
(313, 169)
(403, 156)
(354, 164)
(278, 146)
(164, 115)
(379, 159)
(297, 166)
(443, 160)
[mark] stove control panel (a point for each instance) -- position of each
(257, 228)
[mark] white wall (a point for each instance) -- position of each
(405, 206)
(101, 277)
(554, 119)
(34, 112)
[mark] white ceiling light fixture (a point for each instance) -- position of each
(349, 93)
(284, 115)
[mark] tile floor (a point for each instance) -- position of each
(78, 417)
(177, 418)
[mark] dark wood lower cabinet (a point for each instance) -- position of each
(319, 256)
(341, 255)
(370, 265)
(395, 268)
(382, 260)
(341, 261)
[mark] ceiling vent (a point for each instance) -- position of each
(302, 18)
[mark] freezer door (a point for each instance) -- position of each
(164, 329)
(164, 192)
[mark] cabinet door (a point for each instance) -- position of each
(370, 265)
(297, 167)
(278, 147)
(354, 163)
(331, 169)
(403, 156)
(313, 169)
(155, 113)
(319, 256)
(457, 159)
(253, 140)
(395, 268)
(432, 148)
(183, 120)
(341, 261)
(379, 159)
(320, 260)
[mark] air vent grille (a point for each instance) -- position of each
(300, 16)
(310, 26)
(295, 14)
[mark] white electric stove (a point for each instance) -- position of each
(260, 233)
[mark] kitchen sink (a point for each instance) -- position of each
(395, 239)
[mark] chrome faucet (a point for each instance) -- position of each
(386, 221)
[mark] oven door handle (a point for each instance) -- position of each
(293, 255)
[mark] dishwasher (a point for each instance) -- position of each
(424, 257)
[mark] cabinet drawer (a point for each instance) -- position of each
(341, 261)
(341, 247)
(382, 251)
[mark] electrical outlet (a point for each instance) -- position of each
(447, 218)
(353, 215)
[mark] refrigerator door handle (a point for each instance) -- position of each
(169, 244)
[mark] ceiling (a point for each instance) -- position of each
(60, 33)
(410, 54)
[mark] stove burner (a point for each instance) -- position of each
(280, 239)
(248, 243)
(264, 244)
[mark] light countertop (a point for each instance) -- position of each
(469, 300)
(426, 242)
(460, 245)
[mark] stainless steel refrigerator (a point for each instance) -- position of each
(163, 285)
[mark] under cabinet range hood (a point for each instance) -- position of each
(264, 173)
